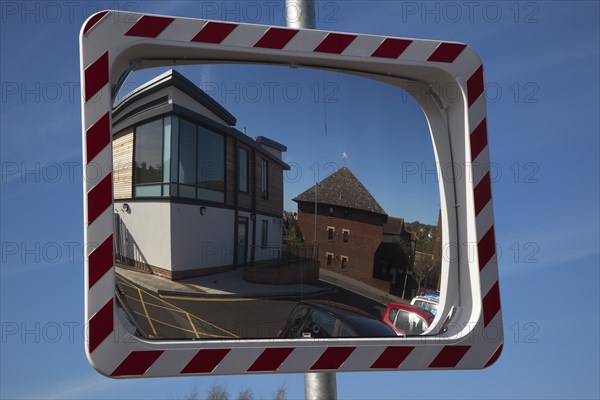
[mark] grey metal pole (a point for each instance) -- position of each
(315, 230)
(317, 385)
(320, 386)
(300, 14)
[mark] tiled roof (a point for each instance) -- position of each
(342, 189)
(393, 226)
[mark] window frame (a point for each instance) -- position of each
(330, 233)
(345, 236)
(344, 265)
(135, 177)
(264, 179)
(329, 259)
(239, 171)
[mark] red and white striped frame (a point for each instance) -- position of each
(110, 41)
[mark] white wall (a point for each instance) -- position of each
(177, 237)
(148, 232)
(201, 241)
(274, 237)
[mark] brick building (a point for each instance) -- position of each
(349, 227)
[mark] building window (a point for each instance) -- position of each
(345, 235)
(331, 211)
(175, 157)
(344, 262)
(264, 181)
(264, 238)
(187, 159)
(243, 169)
(148, 159)
(329, 259)
(200, 162)
(211, 161)
(330, 231)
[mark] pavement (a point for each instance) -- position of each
(231, 284)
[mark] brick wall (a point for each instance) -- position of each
(366, 233)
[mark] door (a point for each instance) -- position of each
(242, 237)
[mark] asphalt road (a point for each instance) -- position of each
(173, 317)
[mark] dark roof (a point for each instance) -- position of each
(174, 78)
(393, 226)
(270, 142)
(342, 189)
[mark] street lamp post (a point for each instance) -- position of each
(317, 385)
(315, 227)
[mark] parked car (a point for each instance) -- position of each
(315, 319)
(429, 303)
(407, 320)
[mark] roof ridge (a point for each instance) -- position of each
(342, 188)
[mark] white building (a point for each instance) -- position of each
(193, 195)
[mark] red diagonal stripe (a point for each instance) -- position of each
(483, 193)
(335, 43)
(271, 359)
(449, 357)
(491, 304)
(391, 48)
(97, 137)
(99, 198)
(392, 357)
(100, 325)
(486, 248)
(137, 363)
(494, 357)
(214, 32)
(96, 76)
(478, 139)
(276, 38)
(100, 261)
(93, 21)
(447, 52)
(149, 26)
(205, 361)
(333, 358)
(475, 86)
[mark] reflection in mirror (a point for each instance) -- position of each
(256, 201)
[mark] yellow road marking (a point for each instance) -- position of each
(198, 335)
(192, 324)
(188, 330)
(154, 305)
(184, 311)
(146, 312)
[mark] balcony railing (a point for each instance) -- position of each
(284, 256)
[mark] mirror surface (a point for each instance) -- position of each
(256, 201)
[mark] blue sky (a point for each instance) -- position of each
(542, 68)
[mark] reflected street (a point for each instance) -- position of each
(161, 316)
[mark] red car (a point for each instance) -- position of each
(407, 320)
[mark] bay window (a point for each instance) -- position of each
(176, 157)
